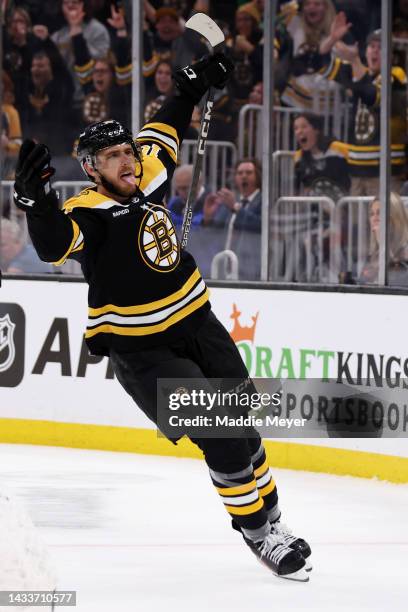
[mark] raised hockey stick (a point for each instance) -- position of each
(206, 27)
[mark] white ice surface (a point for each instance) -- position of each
(149, 534)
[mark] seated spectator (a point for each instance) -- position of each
(239, 215)
(11, 130)
(47, 110)
(321, 164)
(364, 81)
(181, 183)
(306, 30)
(80, 25)
(16, 257)
(256, 95)
(21, 42)
(398, 244)
(106, 82)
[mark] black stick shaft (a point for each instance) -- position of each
(198, 165)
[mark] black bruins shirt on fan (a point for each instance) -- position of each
(364, 138)
(143, 289)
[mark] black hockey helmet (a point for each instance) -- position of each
(101, 135)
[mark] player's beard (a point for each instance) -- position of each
(114, 190)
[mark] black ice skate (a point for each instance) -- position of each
(291, 541)
(279, 558)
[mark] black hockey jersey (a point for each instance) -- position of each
(364, 138)
(143, 289)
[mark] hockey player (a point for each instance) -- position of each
(148, 305)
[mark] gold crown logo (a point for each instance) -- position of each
(239, 332)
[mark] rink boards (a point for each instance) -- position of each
(53, 393)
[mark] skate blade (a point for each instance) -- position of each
(299, 576)
(308, 567)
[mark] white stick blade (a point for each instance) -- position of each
(204, 25)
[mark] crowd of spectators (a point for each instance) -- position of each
(68, 63)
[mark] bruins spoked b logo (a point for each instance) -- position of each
(158, 243)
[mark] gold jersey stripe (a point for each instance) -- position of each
(123, 69)
(152, 168)
(85, 67)
(243, 510)
(150, 306)
(376, 162)
(262, 469)
(76, 232)
(245, 488)
(263, 491)
(375, 148)
(151, 329)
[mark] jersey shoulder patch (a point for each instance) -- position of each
(88, 198)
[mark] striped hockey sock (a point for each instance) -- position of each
(265, 483)
(242, 501)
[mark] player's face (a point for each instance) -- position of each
(117, 164)
(373, 55)
(305, 134)
(314, 11)
(375, 218)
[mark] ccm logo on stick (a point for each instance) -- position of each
(205, 128)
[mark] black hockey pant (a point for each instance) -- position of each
(238, 466)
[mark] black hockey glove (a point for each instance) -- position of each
(32, 191)
(210, 71)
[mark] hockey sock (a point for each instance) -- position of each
(242, 501)
(265, 483)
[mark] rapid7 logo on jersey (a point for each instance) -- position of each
(158, 243)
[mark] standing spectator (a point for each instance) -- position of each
(306, 30)
(321, 162)
(11, 130)
(365, 84)
(171, 42)
(47, 109)
(16, 257)
(239, 214)
(80, 24)
(321, 169)
(163, 87)
(398, 244)
(106, 81)
(246, 51)
(21, 42)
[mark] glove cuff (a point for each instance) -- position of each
(43, 207)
